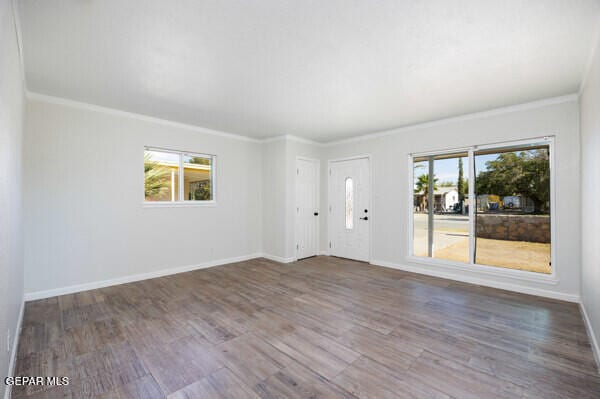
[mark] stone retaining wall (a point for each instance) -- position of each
(531, 228)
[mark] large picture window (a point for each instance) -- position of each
(177, 177)
(486, 205)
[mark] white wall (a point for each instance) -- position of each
(590, 195)
(85, 221)
(280, 194)
(11, 243)
(274, 199)
(389, 215)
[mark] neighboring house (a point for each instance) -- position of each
(445, 199)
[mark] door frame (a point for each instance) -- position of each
(318, 194)
(368, 157)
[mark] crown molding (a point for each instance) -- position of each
(290, 137)
(112, 111)
(461, 118)
(476, 115)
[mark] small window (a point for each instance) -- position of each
(175, 177)
(349, 203)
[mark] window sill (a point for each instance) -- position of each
(186, 204)
(487, 270)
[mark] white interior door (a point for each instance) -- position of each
(307, 208)
(349, 207)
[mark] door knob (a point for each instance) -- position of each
(365, 218)
(316, 213)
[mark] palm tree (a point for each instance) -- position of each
(422, 186)
(156, 179)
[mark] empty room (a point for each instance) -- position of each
(299, 199)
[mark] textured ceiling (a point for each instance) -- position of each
(322, 70)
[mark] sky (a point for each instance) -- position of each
(447, 169)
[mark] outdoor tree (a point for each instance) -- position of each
(156, 179)
(202, 191)
(460, 184)
(422, 186)
(524, 173)
(199, 161)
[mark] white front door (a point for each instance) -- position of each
(349, 207)
(307, 208)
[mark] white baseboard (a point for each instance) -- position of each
(31, 296)
(480, 281)
(279, 259)
(590, 332)
(324, 253)
(14, 348)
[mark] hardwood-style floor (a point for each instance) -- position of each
(319, 328)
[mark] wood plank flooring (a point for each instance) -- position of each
(319, 328)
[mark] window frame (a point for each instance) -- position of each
(471, 266)
(182, 202)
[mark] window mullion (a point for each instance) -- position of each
(430, 205)
(181, 178)
(213, 178)
(472, 205)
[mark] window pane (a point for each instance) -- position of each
(161, 176)
(451, 221)
(197, 178)
(349, 203)
(512, 187)
(441, 228)
(420, 207)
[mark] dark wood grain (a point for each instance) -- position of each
(319, 328)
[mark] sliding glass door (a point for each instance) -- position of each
(486, 205)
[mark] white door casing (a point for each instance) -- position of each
(349, 208)
(307, 208)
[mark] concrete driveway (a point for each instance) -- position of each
(447, 230)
